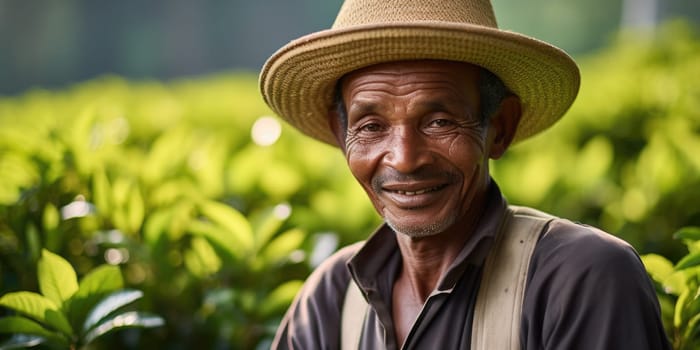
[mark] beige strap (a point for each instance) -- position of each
(498, 308)
(496, 323)
(353, 317)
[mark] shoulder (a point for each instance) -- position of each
(584, 283)
(577, 258)
(565, 244)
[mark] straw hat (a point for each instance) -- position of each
(297, 82)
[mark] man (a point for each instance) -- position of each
(419, 95)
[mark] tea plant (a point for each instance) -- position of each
(678, 288)
(68, 314)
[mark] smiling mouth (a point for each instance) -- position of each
(418, 192)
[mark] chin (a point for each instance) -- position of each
(423, 230)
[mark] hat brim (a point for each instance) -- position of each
(297, 82)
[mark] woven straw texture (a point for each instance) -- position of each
(297, 82)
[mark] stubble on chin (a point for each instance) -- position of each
(424, 230)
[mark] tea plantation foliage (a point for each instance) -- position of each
(166, 182)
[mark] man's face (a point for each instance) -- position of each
(416, 144)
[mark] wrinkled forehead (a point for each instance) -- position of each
(416, 68)
(403, 76)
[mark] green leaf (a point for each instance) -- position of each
(57, 279)
(280, 297)
(104, 278)
(102, 192)
(95, 285)
(135, 209)
(691, 328)
(22, 341)
(132, 319)
(689, 260)
(689, 233)
(33, 242)
(201, 259)
(657, 266)
(679, 312)
(283, 245)
(156, 225)
(661, 270)
(217, 236)
(230, 219)
(265, 224)
(110, 304)
(37, 307)
(22, 325)
(51, 217)
(18, 324)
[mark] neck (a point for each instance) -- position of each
(426, 259)
(424, 263)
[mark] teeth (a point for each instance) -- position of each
(413, 193)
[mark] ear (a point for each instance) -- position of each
(336, 127)
(504, 124)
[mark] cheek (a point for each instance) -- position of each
(467, 149)
(363, 166)
(361, 162)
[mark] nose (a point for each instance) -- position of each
(408, 150)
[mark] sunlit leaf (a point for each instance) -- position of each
(120, 193)
(57, 279)
(22, 325)
(201, 259)
(280, 297)
(16, 172)
(161, 159)
(102, 192)
(265, 225)
(108, 305)
(135, 210)
(51, 217)
(131, 319)
(283, 245)
(593, 161)
(104, 278)
(243, 173)
(657, 266)
(691, 329)
(230, 219)
(690, 233)
(280, 180)
(37, 307)
(97, 283)
(218, 237)
(207, 163)
(681, 304)
(662, 271)
(156, 225)
(689, 260)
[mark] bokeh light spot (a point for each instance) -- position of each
(266, 131)
(282, 211)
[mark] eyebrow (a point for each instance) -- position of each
(433, 105)
(363, 107)
(448, 106)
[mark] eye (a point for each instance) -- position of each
(440, 123)
(370, 127)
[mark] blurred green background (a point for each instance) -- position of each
(133, 134)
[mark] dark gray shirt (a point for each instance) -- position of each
(586, 289)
